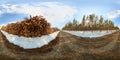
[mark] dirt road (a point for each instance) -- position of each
(73, 48)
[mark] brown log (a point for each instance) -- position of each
(33, 27)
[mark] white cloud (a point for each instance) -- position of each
(1, 12)
(114, 14)
(53, 12)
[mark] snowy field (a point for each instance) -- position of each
(90, 34)
(29, 43)
(0, 27)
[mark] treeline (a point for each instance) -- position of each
(91, 22)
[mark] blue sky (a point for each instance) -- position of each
(58, 12)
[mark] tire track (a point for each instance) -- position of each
(70, 46)
(62, 49)
(105, 47)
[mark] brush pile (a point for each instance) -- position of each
(33, 27)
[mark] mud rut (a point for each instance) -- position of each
(69, 46)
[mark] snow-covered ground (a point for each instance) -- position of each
(90, 34)
(29, 43)
(0, 27)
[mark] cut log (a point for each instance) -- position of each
(32, 27)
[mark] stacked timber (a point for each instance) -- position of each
(33, 27)
(30, 27)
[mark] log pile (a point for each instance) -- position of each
(33, 27)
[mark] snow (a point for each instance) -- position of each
(90, 34)
(0, 27)
(30, 43)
